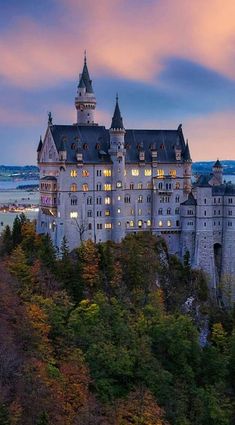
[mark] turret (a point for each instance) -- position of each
(218, 172)
(178, 148)
(85, 101)
(117, 132)
(187, 169)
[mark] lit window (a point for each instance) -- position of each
(177, 185)
(160, 223)
(107, 200)
(140, 199)
(119, 210)
(168, 223)
(132, 211)
(160, 173)
(140, 186)
(107, 212)
(148, 222)
(85, 173)
(140, 223)
(73, 173)
(107, 173)
(119, 223)
(135, 172)
(85, 187)
(148, 172)
(107, 186)
(173, 173)
(139, 211)
(119, 198)
(125, 172)
(73, 187)
(108, 226)
(119, 184)
(73, 214)
(131, 223)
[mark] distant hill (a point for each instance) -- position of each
(205, 167)
(12, 172)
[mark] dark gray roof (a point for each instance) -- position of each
(190, 201)
(117, 119)
(39, 145)
(203, 180)
(85, 80)
(187, 156)
(93, 139)
(49, 178)
(218, 164)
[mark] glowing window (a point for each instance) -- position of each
(177, 185)
(119, 223)
(85, 187)
(173, 173)
(140, 223)
(73, 173)
(148, 172)
(107, 213)
(132, 211)
(107, 173)
(107, 200)
(148, 222)
(107, 186)
(108, 226)
(85, 173)
(160, 223)
(119, 184)
(168, 223)
(119, 198)
(135, 172)
(139, 186)
(140, 199)
(140, 211)
(131, 223)
(160, 173)
(119, 210)
(73, 187)
(73, 214)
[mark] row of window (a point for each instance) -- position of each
(134, 172)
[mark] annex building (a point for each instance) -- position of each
(101, 184)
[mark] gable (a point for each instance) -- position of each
(49, 151)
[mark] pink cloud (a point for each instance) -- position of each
(124, 39)
(19, 118)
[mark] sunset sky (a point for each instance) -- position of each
(171, 62)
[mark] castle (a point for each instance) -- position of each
(102, 184)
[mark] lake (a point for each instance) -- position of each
(9, 194)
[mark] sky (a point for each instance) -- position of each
(170, 61)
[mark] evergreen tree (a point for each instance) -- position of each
(47, 252)
(4, 415)
(43, 419)
(7, 242)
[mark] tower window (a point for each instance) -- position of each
(107, 173)
(107, 200)
(85, 187)
(73, 214)
(148, 172)
(135, 172)
(85, 173)
(73, 173)
(73, 187)
(107, 186)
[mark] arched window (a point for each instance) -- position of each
(85, 187)
(140, 223)
(177, 211)
(89, 200)
(73, 187)
(168, 211)
(160, 211)
(74, 200)
(140, 199)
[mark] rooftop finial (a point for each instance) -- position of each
(116, 97)
(50, 119)
(85, 56)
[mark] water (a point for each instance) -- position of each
(10, 195)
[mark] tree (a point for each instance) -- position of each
(43, 419)
(6, 241)
(4, 415)
(81, 227)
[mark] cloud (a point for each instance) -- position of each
(131, 39)
(19, 118)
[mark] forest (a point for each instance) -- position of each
(110, 334)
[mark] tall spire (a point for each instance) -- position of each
(186, 155)
(117, 122)
(85, 80)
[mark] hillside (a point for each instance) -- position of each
(109, 335)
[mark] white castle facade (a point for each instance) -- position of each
(102, 184)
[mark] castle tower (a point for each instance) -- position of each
(187, 169)
(218, 172)
(85, 101)
(117, 153)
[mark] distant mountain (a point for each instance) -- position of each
(12, 172)
(205, 167)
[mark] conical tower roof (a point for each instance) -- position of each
(39, 145)
(117, 122)
(85, 80)
(217, 164)
(187, 156)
